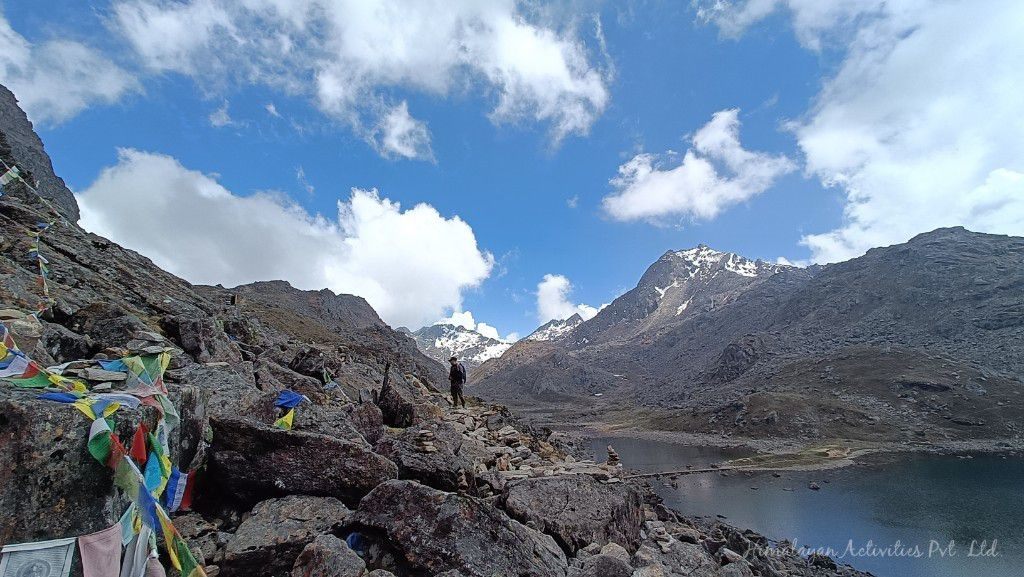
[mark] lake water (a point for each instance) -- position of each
(922, 501)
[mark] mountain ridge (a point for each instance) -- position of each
(946, 302)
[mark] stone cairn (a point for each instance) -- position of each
(613, 457)
(657, 531)
(425, 441)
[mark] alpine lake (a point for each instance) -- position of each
(897, 515)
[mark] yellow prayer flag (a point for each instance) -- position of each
(285, 422)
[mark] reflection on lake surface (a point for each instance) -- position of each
(927, 501)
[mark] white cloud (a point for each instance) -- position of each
(573, 201)
(465, 320)
(349, 55)
(813, 20)
(553, 300)
(300, 176)
(410, 265)
(398, 134)
(713, 175)
(272, 110)
(57, 79)
(921, 124)
(221, 117)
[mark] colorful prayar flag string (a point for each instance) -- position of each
(11, 174)
(40, 559)
(105, 446)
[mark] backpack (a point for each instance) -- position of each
(462, 372)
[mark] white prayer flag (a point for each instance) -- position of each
(41, 559)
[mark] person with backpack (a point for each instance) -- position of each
(457, 378)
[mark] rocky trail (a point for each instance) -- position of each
(268, 431)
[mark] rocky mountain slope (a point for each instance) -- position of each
(378, 477)
(918, 341)
(441, 341)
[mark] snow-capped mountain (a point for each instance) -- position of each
(442, 341)
(676, 285)
(555, 329)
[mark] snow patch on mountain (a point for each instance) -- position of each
(555, 329)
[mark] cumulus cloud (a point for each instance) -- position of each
(348, 55)
(398, 134)
(465, 320)
(57, 79)
(921, 125)
(717, 172)
(221, 117)
(553, 300)
(411, 265)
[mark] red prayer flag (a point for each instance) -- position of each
(138, 452)
(186, 497)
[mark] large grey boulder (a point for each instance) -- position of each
(253, 461)
(50, 486)
(328, 556)
(577, 510)
(431, 532)
(203, 338)
(439, 469)
(601, 566)
(269, 541)
(680, 560)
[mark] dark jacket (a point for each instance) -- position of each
(457, 375)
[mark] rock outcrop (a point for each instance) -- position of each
(251, 461)
(433, 532)
(577, 510)
(268, 542)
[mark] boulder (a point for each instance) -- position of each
(431, 532)
(50, 486)
(231, 390)
(577, 510)
(368, 420)
(106, 324)
(203, 537)
(396, 408)
(440, 469)
(269, 541)
(201, 337)
(680, 560)
(252, 461)
(601, 566)
(63, 345)
(328, 556)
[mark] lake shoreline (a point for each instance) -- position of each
(854, 451)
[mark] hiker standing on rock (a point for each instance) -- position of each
(457, 378)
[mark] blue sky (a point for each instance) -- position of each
(799, 79)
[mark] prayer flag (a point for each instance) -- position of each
(285, 422)
(289, 399)
(101, 552)
(138, 449)
(99, 440)
(176, 489)
(10, 175)
(43, 558)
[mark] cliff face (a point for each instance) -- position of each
(20, 141)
